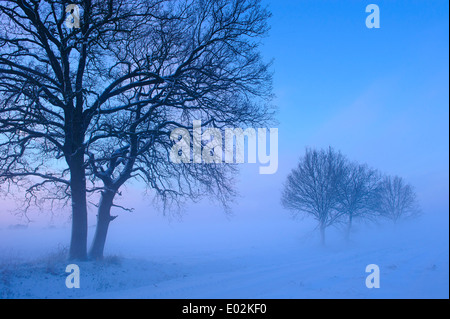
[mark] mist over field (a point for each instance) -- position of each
(232, 259)
(207, 254)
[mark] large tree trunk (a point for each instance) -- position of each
(75, 159)
(78, 243)
(349, 226)
(103, 220)
(322, 235)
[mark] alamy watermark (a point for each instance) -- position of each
(373, 19)
(211, 146)
(373, 279)
(73, 19)
(73, 279)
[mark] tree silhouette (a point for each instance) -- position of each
(86, 109)
(357, 192)
(396, 199)
(312, 187)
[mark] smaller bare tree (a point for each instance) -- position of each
(312, 187)
(357, 191)
(396, 199)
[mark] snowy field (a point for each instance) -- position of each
(231, 259)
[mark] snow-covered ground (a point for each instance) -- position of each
(231, 259)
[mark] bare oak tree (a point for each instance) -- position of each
(357, 191)
(396, 199)
(215, 74)
(312, 187)
(86, 109)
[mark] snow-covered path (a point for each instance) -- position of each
(275, 262)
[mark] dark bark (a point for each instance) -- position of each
(322, 235)
(349, 226)
(103, 219)
(74, 153)
(78, 242)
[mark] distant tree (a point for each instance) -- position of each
(396, 199)
(357, 191)
(312, 187)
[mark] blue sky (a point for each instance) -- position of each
(378, 95)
